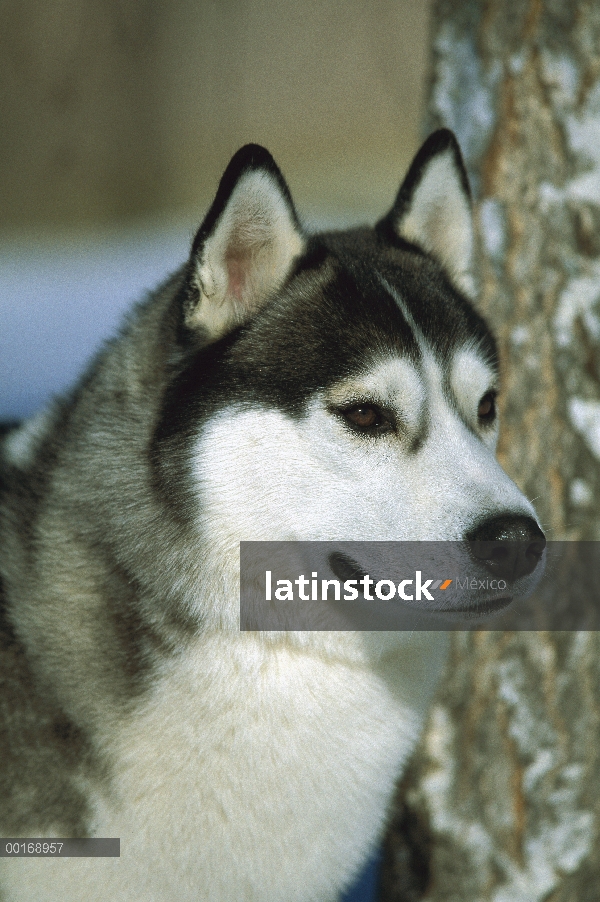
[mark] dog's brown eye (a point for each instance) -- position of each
(487, 407)
(365, 416)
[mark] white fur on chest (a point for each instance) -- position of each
(252, 773)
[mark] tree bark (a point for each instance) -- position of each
(503, 798)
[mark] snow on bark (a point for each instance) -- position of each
(503, 798)
(519, 82)
(504, 784)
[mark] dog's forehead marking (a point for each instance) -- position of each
(470, 376)
(418, 335)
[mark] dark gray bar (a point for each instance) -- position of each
(44, 847)
(419, 586)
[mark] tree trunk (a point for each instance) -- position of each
(503, 799)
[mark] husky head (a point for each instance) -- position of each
(338, 386)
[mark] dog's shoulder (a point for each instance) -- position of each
(41, 750)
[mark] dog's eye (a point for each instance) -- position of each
(366, 417)
(487, 407)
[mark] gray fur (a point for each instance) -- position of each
(117, 558)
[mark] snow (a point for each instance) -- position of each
(493, 227)
(559, 833)
(59, 301)
(561, 75)
(582, 131)
(583, 135)
(463, 93)
(438, 784)
(579, 297)
(519, 336)
(540, 766)
(557, 850)
(585, 417)
(581, 493)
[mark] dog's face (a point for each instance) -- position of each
(343, 387)
(360, 413)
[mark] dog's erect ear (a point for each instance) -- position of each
(245, 247)
(433, 208)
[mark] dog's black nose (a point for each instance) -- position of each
(508, 546)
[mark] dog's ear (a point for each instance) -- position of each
(245, 247)
(433, 208)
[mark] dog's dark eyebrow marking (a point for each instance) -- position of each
(414, 438)
(420, 436)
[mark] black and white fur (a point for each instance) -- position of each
(279, 386)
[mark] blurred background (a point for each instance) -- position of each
(118, 118)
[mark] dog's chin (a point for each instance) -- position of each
(483, 609)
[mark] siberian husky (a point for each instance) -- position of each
(279, 385)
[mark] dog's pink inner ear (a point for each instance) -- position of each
(247, 256)
(237, 275)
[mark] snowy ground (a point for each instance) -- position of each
(58, 301)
